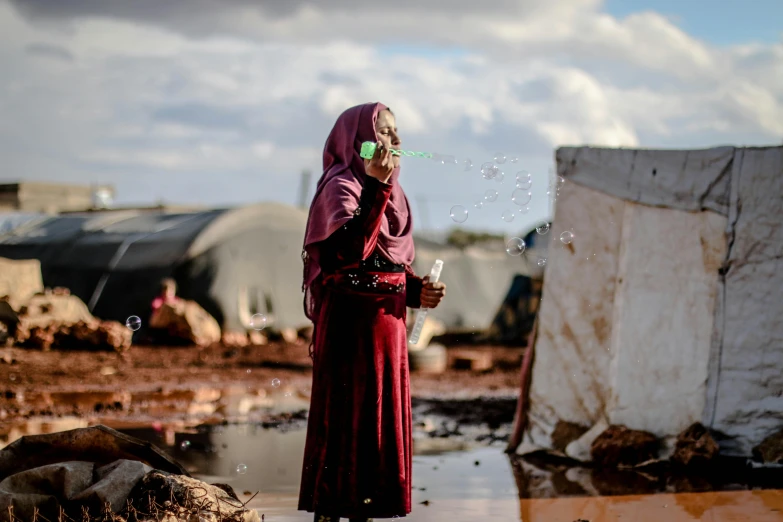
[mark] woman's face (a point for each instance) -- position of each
(386, 130)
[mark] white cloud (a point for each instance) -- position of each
(202, 91)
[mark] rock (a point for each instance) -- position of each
(565, 433)
(186, 320)
(695, 447)
(770, 451)
(188, 493)
(580, 448)
(620, 446)
(20, 280)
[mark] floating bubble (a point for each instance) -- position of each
(287, 394)
(488, 170)
(184, 445)
(258, 322)
(514, 160)
(543, 228)
(467, 163)
(515, 246)
(524, 180)
(449, 160)
(249, 370)
(275, 383)
(133, 322)
(566, 237)
(478, 204)
(459, 214)
(437, 158)
(500, 158)
(12, 377)
(541, 261)
(521, 197)
(368, 501)
(491, 195)
(560, 182)
(499, 177)
(507, 216)
(241, 469)
(523, 210)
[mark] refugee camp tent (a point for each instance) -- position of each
(666, 307)
(234, 262)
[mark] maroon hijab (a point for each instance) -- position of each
(337, 197)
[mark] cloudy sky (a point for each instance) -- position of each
(226, 101)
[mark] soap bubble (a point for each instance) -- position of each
(541, 261)
(488, 170)
(500, 158)
(566, 237)
(514, 160)
(258, 322)
(459, 214)
(184, 445)
(368, 501)
(12, 377)
(249, 370)
(478, 204)
(275, 382)
(515, 246)
(491, 195)
(499, 177)
(560, 182)
(448, 160)
(523, 210)
(133, 322)
(507, 216)
(521, 196)
(241, 469)
(467, 163)
(543, 228)
(524, 179)
(437, 158)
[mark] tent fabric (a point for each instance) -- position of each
(233, 262)
(679, 179)
(663, 310)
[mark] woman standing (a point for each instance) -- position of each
(358, 281)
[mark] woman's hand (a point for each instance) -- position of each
(381, 165)
(432, 293)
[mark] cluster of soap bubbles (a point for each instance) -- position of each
(491, 170)
(521, 196)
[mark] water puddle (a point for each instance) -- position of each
(453, 481)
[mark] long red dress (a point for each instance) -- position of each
(357, 461)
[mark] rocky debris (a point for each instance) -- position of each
(695, 447)
(619, 446)
(565, 433)
(56, 319)
(184, 497)
(188, 321)
(20, 280)
(770, 451)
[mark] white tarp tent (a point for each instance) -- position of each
(667, 307)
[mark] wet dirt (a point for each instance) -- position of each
(187, 386)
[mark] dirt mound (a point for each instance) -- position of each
(620, 446)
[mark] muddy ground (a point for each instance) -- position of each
(210, 385)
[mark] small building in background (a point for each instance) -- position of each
(53, 198)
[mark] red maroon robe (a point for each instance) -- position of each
(358, 452)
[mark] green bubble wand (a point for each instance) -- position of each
(368, 151)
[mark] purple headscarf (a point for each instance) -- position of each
(337, 197)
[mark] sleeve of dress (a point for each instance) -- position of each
(413, 286)
(357, 239)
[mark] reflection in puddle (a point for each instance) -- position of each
(452, 482)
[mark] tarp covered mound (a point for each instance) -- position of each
(665, 309)
(233, 262)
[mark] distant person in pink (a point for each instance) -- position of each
(168, 294)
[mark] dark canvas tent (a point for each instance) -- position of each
(234, 262)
